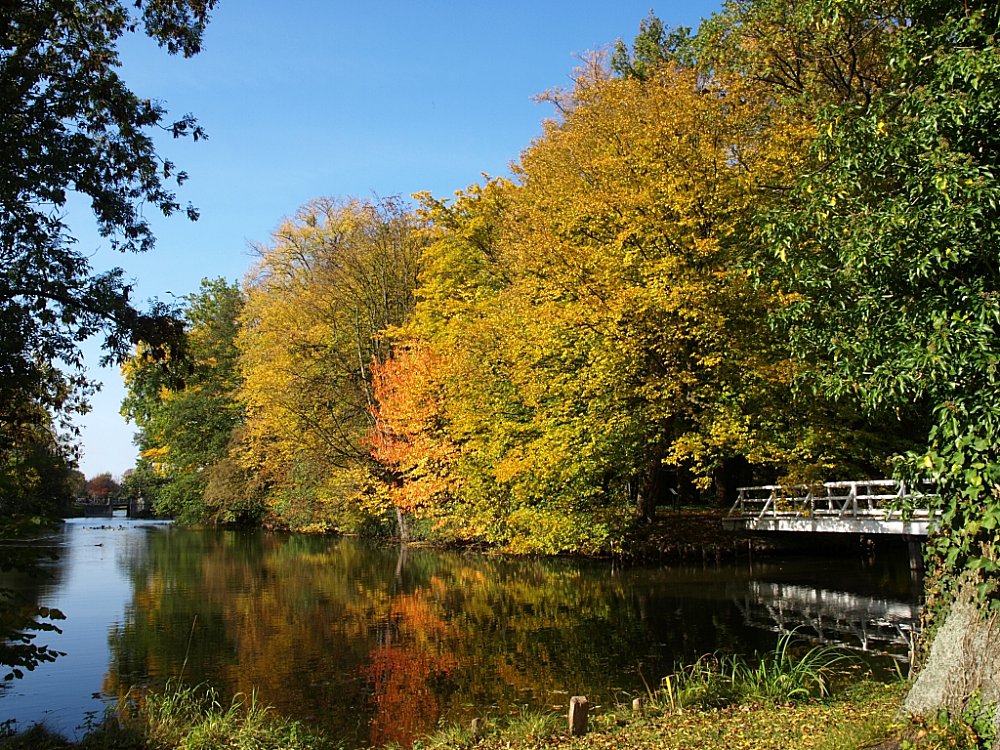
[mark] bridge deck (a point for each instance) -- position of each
(881, 506)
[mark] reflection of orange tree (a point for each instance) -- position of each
(415, 649)
(369, 642)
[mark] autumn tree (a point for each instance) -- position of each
(409, 437)
(103, 486)
(807, 54)
(635, 211)
(319, 302)
(592, 335)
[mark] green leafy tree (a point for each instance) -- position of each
(892, 242)
(37, 476)
(70, 129)
(188, 413)
(652, 47)
(141, 483)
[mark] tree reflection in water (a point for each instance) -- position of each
(379, 644)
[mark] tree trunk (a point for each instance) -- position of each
(732, 473)
(404, 530)
(651, 487)
(964, 661)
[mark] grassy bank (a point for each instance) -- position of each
(793, 697)
(863, 717)
(859, 718)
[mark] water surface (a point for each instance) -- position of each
(380, 644)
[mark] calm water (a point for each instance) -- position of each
(380, 644)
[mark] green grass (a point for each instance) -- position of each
(783, 675)
(761, 711)
(182, 718)
(531, 725)
(787, 675)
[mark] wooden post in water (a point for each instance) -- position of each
(578, 708)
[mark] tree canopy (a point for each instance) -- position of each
(189, 419)
(71, 130)
(539, 361)
(893, 240)
(319, 302)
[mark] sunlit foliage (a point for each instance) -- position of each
(188, 416)
(591, 339)
(893, 243)
(70, 126)
(319, 301)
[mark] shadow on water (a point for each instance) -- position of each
(379, 644)
(29, 565)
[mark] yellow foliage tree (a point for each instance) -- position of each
(597, 333)
(318, 303)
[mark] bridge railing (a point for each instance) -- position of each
(876, 498)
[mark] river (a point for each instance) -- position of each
(380, 644)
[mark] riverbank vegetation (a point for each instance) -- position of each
(763, 250)
(861, 717)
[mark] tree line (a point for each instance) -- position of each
(716, 266)
(764, 249)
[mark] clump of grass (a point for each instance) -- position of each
(532, 724)
(451, 736)
(705, 684)
(782, 676)
(523, 728)
(194, 718)
(36, 737)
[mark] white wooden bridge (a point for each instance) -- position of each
(876, 506)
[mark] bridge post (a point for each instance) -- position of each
(916, 549)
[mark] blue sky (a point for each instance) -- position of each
(305, 98)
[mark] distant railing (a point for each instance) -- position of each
(872, 498)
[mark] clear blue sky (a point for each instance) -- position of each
(308, 98)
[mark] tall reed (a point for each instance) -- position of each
(785, 674)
